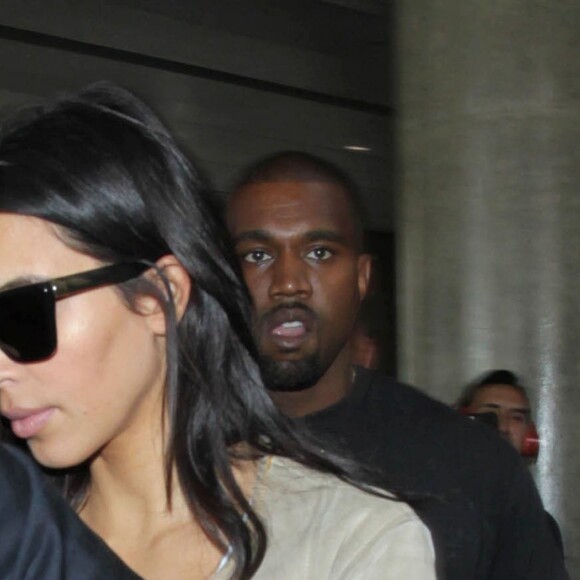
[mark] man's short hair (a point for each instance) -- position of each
(300, 166)
(493, 377)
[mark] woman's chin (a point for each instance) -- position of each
(56, 457)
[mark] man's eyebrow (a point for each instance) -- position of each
(252, 236)
(325, 235)
(524, 410)
(321, 235)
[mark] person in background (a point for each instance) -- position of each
(500, 392)
(296, 227)
(365, 348)
(366, 344)
(127, 366)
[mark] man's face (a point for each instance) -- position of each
(297, 245)
(510, 406)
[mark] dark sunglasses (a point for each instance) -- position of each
(27, 314)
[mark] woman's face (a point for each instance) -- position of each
(101, 392)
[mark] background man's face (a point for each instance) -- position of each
(511, 407)
(297, 244)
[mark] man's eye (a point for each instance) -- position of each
(319, 254)
(256, 256)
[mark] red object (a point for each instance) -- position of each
(531, 446)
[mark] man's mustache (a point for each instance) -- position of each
(264, 318)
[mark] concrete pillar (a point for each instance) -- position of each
(488, 225)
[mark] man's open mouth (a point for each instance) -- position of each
(288, 326)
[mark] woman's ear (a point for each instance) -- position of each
(181, 286)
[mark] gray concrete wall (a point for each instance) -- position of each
(489, 213)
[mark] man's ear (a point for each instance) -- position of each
(181, 286)
(364, 274)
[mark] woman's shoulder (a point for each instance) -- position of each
(351, 531)
(287, 482)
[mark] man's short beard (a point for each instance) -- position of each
(289, 376)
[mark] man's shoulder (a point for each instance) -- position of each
(381, 387)
(476, 489)
(396, 424)
(387, 398)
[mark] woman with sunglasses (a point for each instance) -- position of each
(128, 369)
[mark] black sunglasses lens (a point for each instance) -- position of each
(27, 323)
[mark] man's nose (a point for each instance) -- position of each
(503, 423)
(290, 277)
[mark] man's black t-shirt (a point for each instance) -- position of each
(481, 505)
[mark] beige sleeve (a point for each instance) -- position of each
(320, 528)
(401, 549)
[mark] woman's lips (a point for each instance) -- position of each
(26, 424)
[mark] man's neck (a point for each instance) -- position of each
(331, 388)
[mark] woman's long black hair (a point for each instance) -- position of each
(101, 166)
